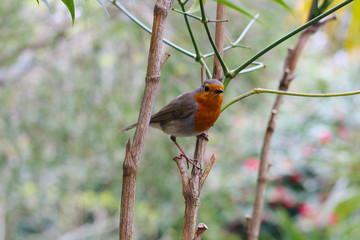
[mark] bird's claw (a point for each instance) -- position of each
(189, 160)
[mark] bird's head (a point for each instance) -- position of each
(210, 92)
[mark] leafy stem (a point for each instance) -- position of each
(146, 28)
(282, 39)
(198, 57)
(262, 90)
(234, 44)
(205, 22)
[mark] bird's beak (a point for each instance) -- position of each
(219, 91)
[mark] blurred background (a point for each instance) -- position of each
(65, 91)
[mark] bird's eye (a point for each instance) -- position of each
(207, 88)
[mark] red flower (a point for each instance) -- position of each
(252, 164)
(296, 177)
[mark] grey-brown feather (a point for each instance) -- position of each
(178, 111)
(181, 107)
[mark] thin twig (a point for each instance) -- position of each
(242, 35)
(203, 74)
(146, 28)
(200, 231)
(213, 44)
(165, 58)
(297, 94)
(187, 14)
(234, 72)
(207, 170)
(198, 57)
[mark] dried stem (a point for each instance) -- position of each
(200, 231)
(289, 67)
(219, 40)
(134, 151)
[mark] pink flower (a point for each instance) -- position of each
(252, 164)
(325, 136)
(306, 209)
(289, 200)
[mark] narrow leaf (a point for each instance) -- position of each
(38, 2)
(70, 5)
(324, 5)
(103, 6)
(195, 7)
(282, 3)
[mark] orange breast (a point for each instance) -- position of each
(208, 111)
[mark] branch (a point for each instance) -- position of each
(183, 173)
(215, 48)
(146, 28)
(289, 68)
(197, 179)
(284, 38)
(200, 231)
(198, 57)
(219, 65)
(134, 151)
(297, 94)
(207, 170)
(234, 44)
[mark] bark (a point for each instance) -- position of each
(134, 151)
(193, 185)
(288, 74)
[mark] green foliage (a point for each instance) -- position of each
(65, 92)
(71, 7)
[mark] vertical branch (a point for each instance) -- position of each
(134, 151)
(219, 40)
(192, 188)
(289, 67)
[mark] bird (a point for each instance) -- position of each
(189, 114)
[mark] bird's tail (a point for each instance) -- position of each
(129, 127)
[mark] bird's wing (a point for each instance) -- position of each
(181, 107)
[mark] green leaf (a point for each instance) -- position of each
(233, 6)
(324, 5)
(70, 5)
(282, 3)
(195, 7)
(38, 2)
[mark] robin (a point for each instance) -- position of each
(189, 114)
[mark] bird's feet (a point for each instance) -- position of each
(194, 162)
